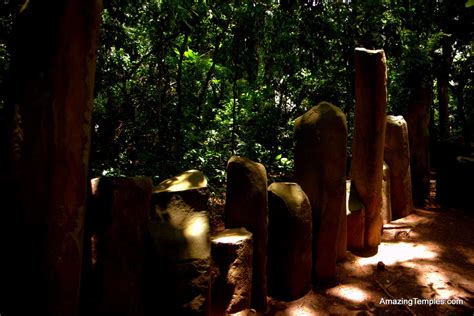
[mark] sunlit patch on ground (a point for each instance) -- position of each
(435, 262)
(391, 253)
(349, 292)
(301, 311)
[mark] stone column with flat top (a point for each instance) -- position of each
(369, 137)
(231, 271)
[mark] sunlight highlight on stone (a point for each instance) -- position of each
(228, 239)
(191, 179)
(399, 252)
(300, 311)
(349, 292)
(196, 226)
(196, 231)
(230, 236)
(399, 120)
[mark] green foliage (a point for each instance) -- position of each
(187, 84)
(6, 24)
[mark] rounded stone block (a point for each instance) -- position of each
(397, 156)
(289, 241)
(231, 252)
(320, 165)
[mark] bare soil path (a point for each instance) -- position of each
(427, 255)
(430, 257)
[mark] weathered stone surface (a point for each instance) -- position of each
(368, 140)
(355, 211)
(122, 207)
(289, 241)
(247, 206)
(386, 196)
(231, 269)
(188, 180)
(320, 164)
(418, 122)
(341, 245)
(397, 156)
(182, 202)
(179, 246)
(45, 138)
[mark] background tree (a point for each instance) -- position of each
(186, 84)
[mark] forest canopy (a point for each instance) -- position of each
(186, 84)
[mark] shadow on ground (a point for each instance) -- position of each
(432, 257)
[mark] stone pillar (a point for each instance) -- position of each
(289, 241)
(45, 139)
(397, 156)
(355, 211)
(247, 206)
(320, 164)
(178, 268)
(341, 246)
(122, 207)
(368, 140)
(386, 196)
(231, 252)
(418, 122)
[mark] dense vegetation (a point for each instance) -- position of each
(186, 84)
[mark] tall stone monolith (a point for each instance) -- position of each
(45, 141)
(369, 136)
(179, 249)
(320, 165)
(121, 210)
(397, 156)
(289, 241)
(247, 206)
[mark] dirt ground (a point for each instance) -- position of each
(431, 257)
(426, 255)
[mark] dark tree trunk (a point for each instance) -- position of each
(49, 119)
(459, 93)
(179, 88)
(418, 121)
(443, 93)
(210, 73)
